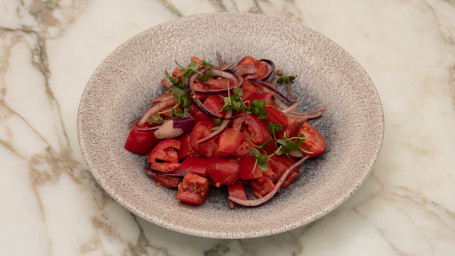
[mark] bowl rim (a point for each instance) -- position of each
(222, 234)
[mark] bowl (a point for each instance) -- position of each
(125, 83)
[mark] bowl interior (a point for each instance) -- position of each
(128, 79)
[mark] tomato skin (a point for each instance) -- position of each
(260, 67)
(194, 189)
(242, 149)
(165, 151)
(314, 142)
(220, 83)
(249, 90)
(200, 87)
(246, 169)
(237, 190)
(229, 141)
(196, 165)
(186, 149)
(214, 103)
(167, 181)
(256, 131)
(197, 114)
(140, 142)
(194, 58)
(276, 116)
(223, 171)
(279, 165)
(290, 129)
(261, 186)
(201, 130)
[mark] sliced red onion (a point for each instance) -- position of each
(227, 65)
(195, 100)
(290, 93)
(296, 153)
(132, 123)
(154, 128)
(246, 71)
(218, 131)
(304, 116)
(161, 98)
(174, 128)
(270, 69)
(261, 83)
(162, 104)
(291, 108)
(229, 74)
(220, 60)
(267, 197)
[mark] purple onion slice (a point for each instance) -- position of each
(270, 69)
(261, 83)
(174, 128)
(267, 197)
(218, 131)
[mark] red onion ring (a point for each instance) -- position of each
(267, 197)
(228, 74)
(197, 102)
(246, 71)
(227, 65)
(290, 108)
(270, 69)
(162, 104)
(218, 131)
(261, 83)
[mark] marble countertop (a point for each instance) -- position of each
(51, 205)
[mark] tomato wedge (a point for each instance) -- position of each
(140, 142)
(185, 148)
(193, 189)
(196, 165)
(246, 169)
(253, 128)
(261, 186)
(279, 165)
(229, 141)
(223, 171)
(276, 116)
(249, 90)
(237, 190)
(164, 156)
(314, 144)
(201, 130)
(220, 83)
(260, 67)
(214, 103)
(263, 96)
(242, 149)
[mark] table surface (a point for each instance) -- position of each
(51, 205)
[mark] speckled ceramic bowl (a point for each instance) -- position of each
(129, 78)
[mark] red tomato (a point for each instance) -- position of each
(177, 73)
(220, 83)
(193, 189)
(201, 87)
(279, 164)
(276, 116)
(256, 131)
(199, 61)
(260, 67)
(164, 156)
(236, 190)
(314, 142)
(223, 171)
(261, 186)
(167, 181)
(214, 103)
(229, 141)
(140, 142)
(246, 169)
(263, 96)
(290, 129)
(196, 165)
(185, 148)
(201, 130)
(242, 149)
(197, 114)
(249, 90)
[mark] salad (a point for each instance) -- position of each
(225, 125)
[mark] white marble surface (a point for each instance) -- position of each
(51, 205)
